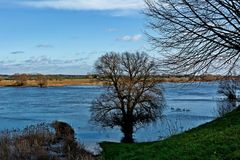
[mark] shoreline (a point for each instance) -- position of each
(39, 80)
(88, 82)
(53, 83)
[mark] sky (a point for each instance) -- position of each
(67, 36)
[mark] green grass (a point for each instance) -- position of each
(217, 140)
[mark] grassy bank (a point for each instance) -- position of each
(217, 140)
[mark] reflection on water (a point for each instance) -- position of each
(189, 105)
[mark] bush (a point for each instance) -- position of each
(42, 81)
(39, 142)
(21, 79)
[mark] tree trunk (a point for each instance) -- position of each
(127, 129)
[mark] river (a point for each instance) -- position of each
(188, 105)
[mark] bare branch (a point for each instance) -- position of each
(133, 98)
(195, 36)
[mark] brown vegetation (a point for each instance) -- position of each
(41, 80)
(63, 130)
(52, 81)
(39, 142)
(21, 79)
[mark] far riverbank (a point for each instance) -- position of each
(52, 81)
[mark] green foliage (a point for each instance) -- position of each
(217, 140)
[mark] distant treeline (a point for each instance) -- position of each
(41, 80)
(91, 79)
(205, 77)
(50, 77)
(195, 78)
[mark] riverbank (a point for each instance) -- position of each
(43, 142)
(58, 81)
(53, 83)
(218, 139)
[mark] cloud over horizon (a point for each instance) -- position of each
(132, 38)
(86, 4)
(71, 34)
(44, 46)
(46, 65)
(17, 52)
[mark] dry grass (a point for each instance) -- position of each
(72, 82)
(39, 142)
(53, 82)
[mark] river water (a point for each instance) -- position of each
(188, 105)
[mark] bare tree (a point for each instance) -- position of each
(133, 97)
(196, 36)
(41, 80)
(1, 78)
(229, 89)
(225, 106)
(21, 79)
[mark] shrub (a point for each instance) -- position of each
(39, 142)
(42, 81)
(21, 79)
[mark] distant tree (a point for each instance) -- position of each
(21, 79)
(196, 36)
(133, 97)
(42, 80)
(229, 88)
(225, 106)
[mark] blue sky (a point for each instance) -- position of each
(67, 36)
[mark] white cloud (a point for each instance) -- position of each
(111, 29)
(17, 52)
(136, 37)
(44, 46)
(46, 65)
(124, 13)
(44, 60)
(86, 4)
